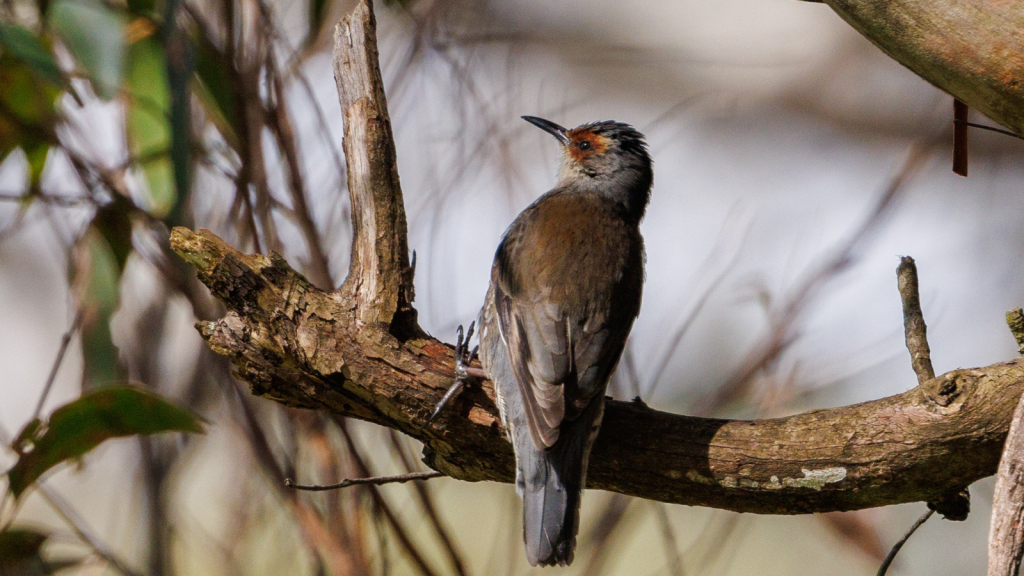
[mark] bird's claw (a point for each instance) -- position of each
(463, 357)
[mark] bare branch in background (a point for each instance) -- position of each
(376, 481)
(899, 544)
(64, 342)
(783, 319)
(427, 500)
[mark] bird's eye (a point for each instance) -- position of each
(584, 145)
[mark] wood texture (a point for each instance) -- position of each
(972, 50)
(914, 329)
(379, 268)
(1006, 531)
(302, 347)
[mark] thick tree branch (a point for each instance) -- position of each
(302, 347)
(972, 50)
(358, 352)
(1006, 531)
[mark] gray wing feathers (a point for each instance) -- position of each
(547, 349)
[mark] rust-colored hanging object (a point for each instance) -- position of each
(960, 127)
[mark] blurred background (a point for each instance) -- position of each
(771, 289)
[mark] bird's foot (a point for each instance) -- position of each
(463, 371)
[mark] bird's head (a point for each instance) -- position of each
(606, 155)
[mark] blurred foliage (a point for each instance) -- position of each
(148, 103)
(94, 34)
(79, 426)
(98, 268)
(29, 88)
(21, 554)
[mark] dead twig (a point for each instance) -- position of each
(783, 319)
(913, 320)
(899, 544)
(376, 481)
(427, 501)
(380, 249)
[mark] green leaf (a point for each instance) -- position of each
(98, 279)
(216, 90)
(141, 7)
(148, 121)
(21, 554)
(36, 153)
(28, 101)
(25, 46)
(94, 34)
(76, 428)
(20, 543)
(317, 9)
(27, 113)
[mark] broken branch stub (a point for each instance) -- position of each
(378, 278)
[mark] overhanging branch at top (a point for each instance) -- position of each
(972, 50)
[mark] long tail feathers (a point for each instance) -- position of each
(551, 504)
(552, 489)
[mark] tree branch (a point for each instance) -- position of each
(300, 346)
(1006, 531)
(914, 329)
(358, 352)
(972, 50)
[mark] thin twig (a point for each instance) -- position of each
(913, 320)
(668, 537)
(64, 342)
(405, 540)
(376, 481)
(896, 547)
(81, 529)
(427, 501)
(990, 129)
(62, 200)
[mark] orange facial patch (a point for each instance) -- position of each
(598, 143)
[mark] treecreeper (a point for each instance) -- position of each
(565, 288)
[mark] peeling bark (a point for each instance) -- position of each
(303, 347)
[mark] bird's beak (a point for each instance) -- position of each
(549, 127)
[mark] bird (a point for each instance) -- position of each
(565, 288)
